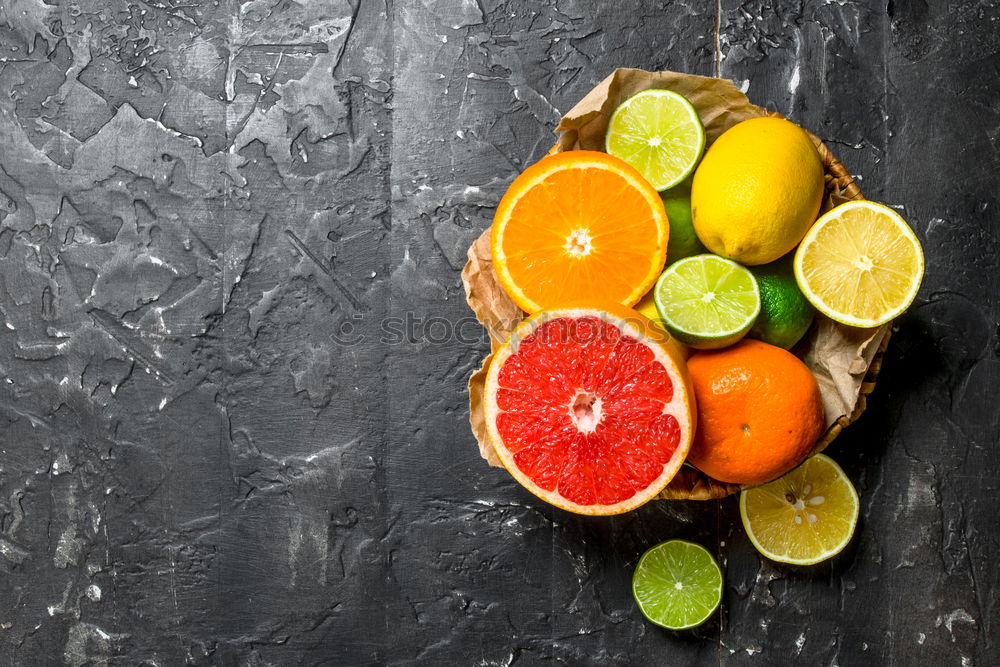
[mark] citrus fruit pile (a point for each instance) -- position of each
(667, 287)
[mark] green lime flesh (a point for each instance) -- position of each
(707, 301)
(677, 584)
(659, 133)
(785, 313)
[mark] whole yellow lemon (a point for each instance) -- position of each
(757, 191)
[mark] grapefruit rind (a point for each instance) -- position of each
(681, 406)
(535, 175)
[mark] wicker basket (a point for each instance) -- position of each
(720, 106)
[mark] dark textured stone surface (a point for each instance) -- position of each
(197, 200)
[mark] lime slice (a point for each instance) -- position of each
(677, 584)
(707, 301)
(860, 264)
(804, 517)
(659, 133)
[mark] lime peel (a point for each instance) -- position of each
(677, 584)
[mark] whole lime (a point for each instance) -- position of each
(683, 241)
(785, 314)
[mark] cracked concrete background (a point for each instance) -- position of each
(211, 453)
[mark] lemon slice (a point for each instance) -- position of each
(860, 264)
(802, 518)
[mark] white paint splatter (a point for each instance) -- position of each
(68, 548)
(956, 616)
(934, 224)
(793, 82)
(84, 638)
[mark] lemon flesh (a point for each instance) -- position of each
(805, 517)
(659, 133)
(860, 264)
(757, 191)
(677, 584)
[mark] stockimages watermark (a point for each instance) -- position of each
(413, 329)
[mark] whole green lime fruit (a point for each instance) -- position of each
(785, 314)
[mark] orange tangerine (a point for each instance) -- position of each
(759, 412)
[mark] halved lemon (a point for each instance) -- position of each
(860, 264)
(805, 517)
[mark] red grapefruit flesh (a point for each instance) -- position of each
(590, 409)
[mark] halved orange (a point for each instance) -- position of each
(579, 225)
(590, 409)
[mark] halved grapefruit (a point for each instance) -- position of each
(590, 408)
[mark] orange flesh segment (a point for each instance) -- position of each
(589, 229)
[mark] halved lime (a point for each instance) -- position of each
(677, 584)
(707, 301)
(659, 133)
(802, 518)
